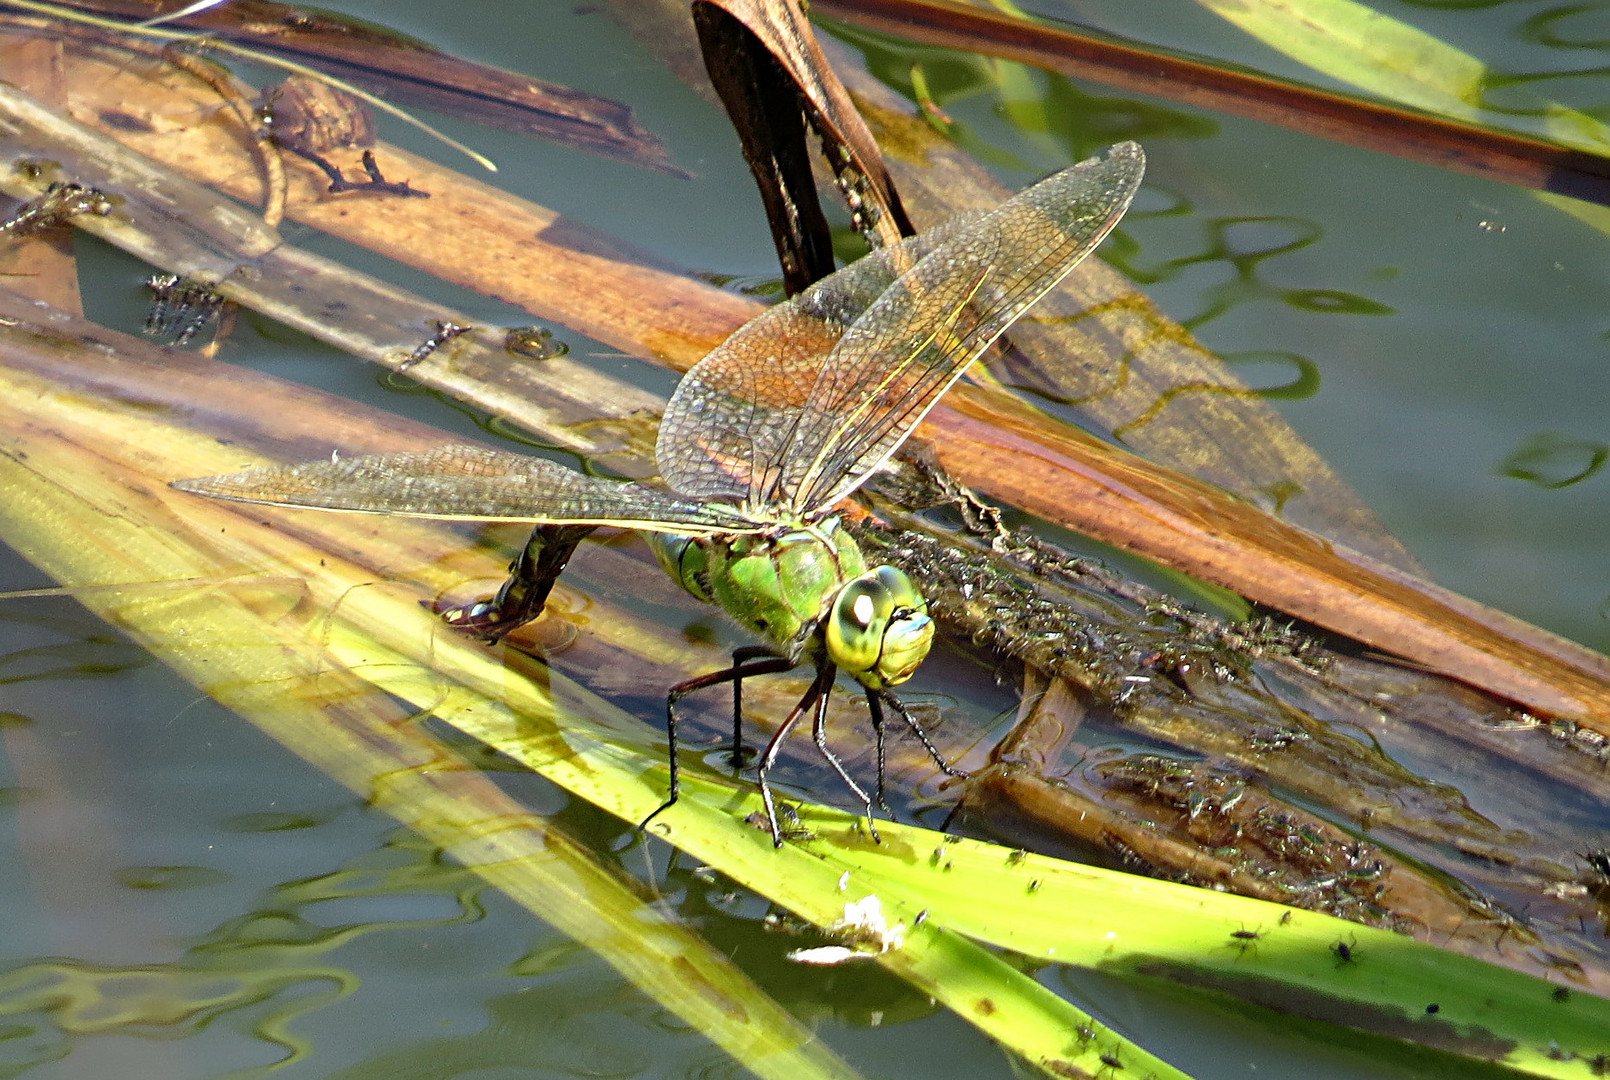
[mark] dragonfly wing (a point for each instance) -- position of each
(726, 427)
(730, 425)
(907, 348)
(473, 484)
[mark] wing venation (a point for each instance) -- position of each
(471, 483)
(793, 411)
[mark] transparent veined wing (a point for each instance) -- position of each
(471, 483)
(725, 428)
(793, 410)
(730, 423)
(893, 364)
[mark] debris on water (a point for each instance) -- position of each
(863, 932)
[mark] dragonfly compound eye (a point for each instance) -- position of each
(879, 629)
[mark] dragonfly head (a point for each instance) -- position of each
(878, 629)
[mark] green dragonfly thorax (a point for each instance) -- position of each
(807, 588)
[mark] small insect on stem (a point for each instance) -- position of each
(1243, 939)
(58, 204)
(445, 332)
(181, 307)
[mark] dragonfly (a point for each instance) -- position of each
(758, 445)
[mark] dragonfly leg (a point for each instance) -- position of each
(741, 656)
(875, 707)
(894, 703)
(760, 664)
(819, 736)
(815, 695)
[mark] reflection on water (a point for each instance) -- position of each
(257, 973)
(278, 987)
(1551, 460)
(1243, 244)
(90, 657)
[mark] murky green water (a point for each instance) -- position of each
(184, 899)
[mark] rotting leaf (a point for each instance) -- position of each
(767, 109)
(779, 28)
